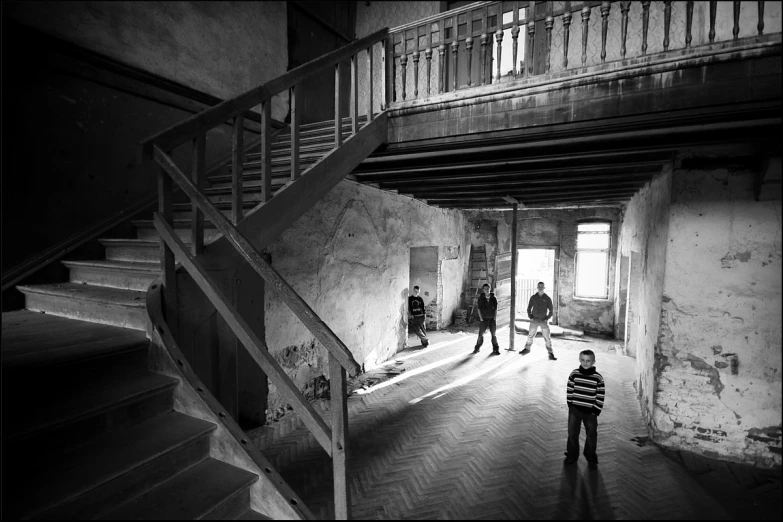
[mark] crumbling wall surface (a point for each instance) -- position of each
(644, 235)
(220, 48)
(718, 368)
(349, 259)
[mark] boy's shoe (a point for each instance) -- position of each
(592, 465)
(496, 352)
(425, 343)
(568, 461)
(525, 351)
(475, 350)
(552, 357)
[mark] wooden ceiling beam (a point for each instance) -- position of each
(525, 187)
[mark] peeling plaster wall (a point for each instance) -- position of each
(719, 367)
(349, 259)
(643, 237)
(220, 48)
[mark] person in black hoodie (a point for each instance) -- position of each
(585, 397)
(417, 315)
(487, 307)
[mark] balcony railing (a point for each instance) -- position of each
(490, 42)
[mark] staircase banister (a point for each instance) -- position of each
(438, 17)
(188, 129)
(301, 309)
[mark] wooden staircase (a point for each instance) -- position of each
(478, 276)
(90, 432)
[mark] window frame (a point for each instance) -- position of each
(607, 250)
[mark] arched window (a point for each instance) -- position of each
(593, 241)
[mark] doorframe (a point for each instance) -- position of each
(555, 289)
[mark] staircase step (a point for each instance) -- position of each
(96, 304)
(251, 195)
(249, 182)
(145, 229)
(34, 340)
(208, 489)
(321, 127)
(114, 274)
(133, 250)
(254, 162)
(112, 468)
(312, 147)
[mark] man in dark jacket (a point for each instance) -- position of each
(539, 310)
(417, 315)
(487, 307)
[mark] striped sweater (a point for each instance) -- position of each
(586, 390)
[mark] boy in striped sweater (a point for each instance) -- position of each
(585, 398)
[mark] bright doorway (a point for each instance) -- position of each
(534, 265)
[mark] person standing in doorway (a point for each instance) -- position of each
(417, 315)
(487, 308)
(539, 310)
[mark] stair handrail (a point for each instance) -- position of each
(191, 127)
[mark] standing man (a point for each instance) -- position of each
(539, 310)
(416, 314)
(487, 307)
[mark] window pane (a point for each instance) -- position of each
(593, 227)
(591, 274)
(592, 241)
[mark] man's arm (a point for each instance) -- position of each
(530, 307)
(550, 308)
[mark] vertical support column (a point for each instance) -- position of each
(499, 40)
(688, 23)
(514, 37)
(370, 84)
(514, 255)
(237, 160)
(296, 95)
(166, 211)
(531, 33)
(624, 8)
(585, 21)
(760, 25)
(454, 53)
(469, 52)
(713, 13)
(404, 70)
(416, 73)
(667, 20)
(645, 24)
(266, 151)
(483, 56)
(735, 31)
(197, 216)
(605, 7)
(385, 76)
(338, 120)
(338, 388)
(428, 57)
(354, 94)
(392, 74)
(549, 22)
(442, 63)
(566, 31)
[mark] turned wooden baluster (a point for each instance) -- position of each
(667, 19)
(369, 89)
(645, 23)
(605, 7)
(197, 219)
(713, 13)
(735, 31)
(237, 158)
(296, 96)
(266, 150)
(549, 22)
(624, 8)
(760, 25)
(416, 74)
(566, 30)
(442, 62)
(499, 40)
(354, 100)
(585, 21)
(514, 37)
(688, 23)
(469, 49)
(531, 31)
(454, 51)
(338, 121)
(428, 57)
(404, 70)
(484, 40)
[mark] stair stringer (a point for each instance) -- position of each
(270, 495)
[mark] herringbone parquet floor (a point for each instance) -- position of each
(462, 436)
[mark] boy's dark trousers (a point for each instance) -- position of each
(575, 419)
(483, 328)
(418, 327)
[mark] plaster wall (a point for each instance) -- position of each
(349, 258)
(719, 368)
(220, 48)
(643, 237)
